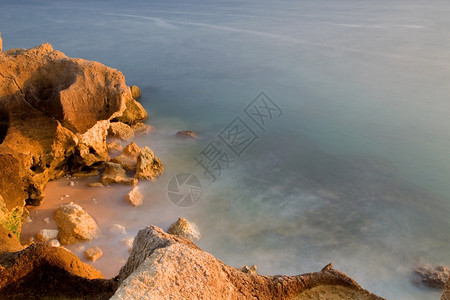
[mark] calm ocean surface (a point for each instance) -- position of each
(355, 171)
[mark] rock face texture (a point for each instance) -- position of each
(446, 294)
(45, 271)
(128, 157)
(435, 277)
(164, 266)
(148, 166)
(74, 224)
(55, 112)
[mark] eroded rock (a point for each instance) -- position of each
(8, 241)
(134, 197)
(121, 131)
(128, 157)
(114, 146)
(446, 294)
(183, 228)
(435, 277)
(162, 264)
(115, 173)
(133, 113)
(148, 165)
(135, 91)
(187, 134)
(74, 224)
(93, 253)
(46, 235)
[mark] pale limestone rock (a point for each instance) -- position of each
(46, 220)
(115, 173)
(164, 266)
(121, 131)
(74, 224)
(183, 228)
(148, 165)
(134, 197)
(93, 253)
(54, 243)
(46, 235)
(128, 157)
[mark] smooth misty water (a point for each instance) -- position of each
(355, 171)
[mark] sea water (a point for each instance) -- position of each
(354, 167)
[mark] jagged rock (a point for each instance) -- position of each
(432, 277)
(8, 241)
(446, 294)
(67, 104)
(93, 253)
(46, 235)
(42, 271)
(114, 146)
(183, 228)
(133, 113)
(74, 224)
(128, 157)
(121, 131)
(115, 173)
(249, 270)
(163, 265)
(141, 128)
(134, 197)
(135, 91)
(187, 134)
(54, 243)
(148, 165)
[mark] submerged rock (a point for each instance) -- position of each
(183, 228)
(115, 173)
(74, 224)
(162, 264)
(432, 277)
(187, 134)
(43, 271)
(141, 128)
(134, 197)
(148, 165)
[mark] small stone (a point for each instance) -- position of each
(47, 234)
(47, 220)
(67, 195)
(54, 243)
(71, 183)
(251, 270)
(31, 239)
(94, 200)
(118, 229)
(89, 173)
(134, 197)
(93, 253)
(28, 220)
(127, 241)
(148, 166)
(96, 184)
(135, 92)
(187, 134)
(183, 228)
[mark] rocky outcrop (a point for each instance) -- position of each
(148, 166)
(74, 224)
(163, 266)
(44, 271)
(183, 228)
(435, 277)
(55, 112)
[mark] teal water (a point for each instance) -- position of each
(356, 169)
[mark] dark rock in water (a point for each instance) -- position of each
(187, 134)
(432, 277)
(45, 271)
(162, 264)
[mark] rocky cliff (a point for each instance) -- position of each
(55, 113)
